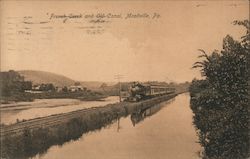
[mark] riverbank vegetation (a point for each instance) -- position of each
(14, 88)
(220, 102)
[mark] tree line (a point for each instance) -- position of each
(11, 83)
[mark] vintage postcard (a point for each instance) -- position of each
(124, 79)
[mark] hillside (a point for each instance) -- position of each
(95, 85)
(38, 77)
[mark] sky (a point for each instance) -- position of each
(96, 40)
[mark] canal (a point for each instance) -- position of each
(164, 131)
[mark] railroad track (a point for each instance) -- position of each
(51, 120)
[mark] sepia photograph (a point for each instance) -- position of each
(124, 79)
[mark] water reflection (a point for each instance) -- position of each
(139, 115)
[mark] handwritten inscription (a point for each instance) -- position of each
(90, 23)
(22, 31)
(66, 17)
(103, 19)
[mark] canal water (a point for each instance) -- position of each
(45, 107)
(163, 132)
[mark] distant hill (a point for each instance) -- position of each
(95, 85)
(38, 77)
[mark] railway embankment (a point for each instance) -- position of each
(57, 119)
(28, 138)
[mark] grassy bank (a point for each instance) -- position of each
(18, 97)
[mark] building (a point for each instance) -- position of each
(76, 88)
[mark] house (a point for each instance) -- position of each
(36, 87)
(75, 88)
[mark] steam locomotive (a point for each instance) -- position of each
(140, 91)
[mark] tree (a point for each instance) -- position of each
(220, 102)
(65, 89)
(47, 87)
(12, 82)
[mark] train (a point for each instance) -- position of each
(139, 91)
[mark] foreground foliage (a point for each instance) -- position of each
(220, 102)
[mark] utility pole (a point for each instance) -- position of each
(119, 77)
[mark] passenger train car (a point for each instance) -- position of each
(140, 91)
